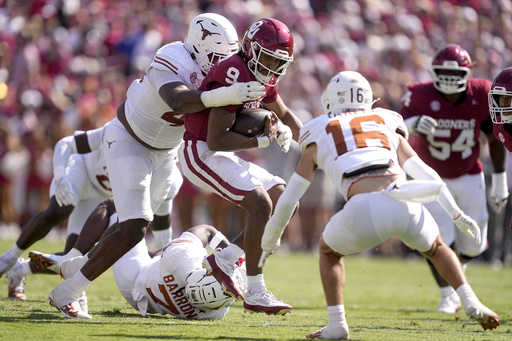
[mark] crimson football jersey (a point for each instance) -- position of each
(503, 132)
(225, 73)
(453, 150)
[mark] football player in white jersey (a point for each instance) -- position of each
(170, 281)
(78, 186)
(140, 144)
(80, 183)
(365, 153)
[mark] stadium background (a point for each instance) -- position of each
(65, 65)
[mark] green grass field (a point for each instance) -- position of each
(385, 299)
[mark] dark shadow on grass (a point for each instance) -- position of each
(181, 337)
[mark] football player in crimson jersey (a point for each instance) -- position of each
(170, 280)
(80, 183)
(448, 115)
(366, 155)
(208, 160)
(141, 143)
(500, 108)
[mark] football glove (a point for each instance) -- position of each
(234, 94)
(423, 124)
(468, 226)
(284, 136)
(499, 192)
(63, 192)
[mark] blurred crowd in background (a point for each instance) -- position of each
(65, 65)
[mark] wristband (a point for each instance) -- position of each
(263, 141)
(216, 240)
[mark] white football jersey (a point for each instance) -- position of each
(95, 162)
(152, 120)
(162, 281)
(354, 141)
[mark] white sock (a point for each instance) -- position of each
(465, 291)
(79, 283)
(162, 238)
(15, 251)
(446, 291)
(256, 283)
(232, 252)
(25, 268)
(336, 314)
(73, 253)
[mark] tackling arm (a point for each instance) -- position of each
(184, 100)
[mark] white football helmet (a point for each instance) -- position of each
(347, 91)
(205, 293)
(210, 38)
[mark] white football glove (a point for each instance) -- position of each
(63, 192)
(270, 241)
(284, 136)
(499, 192)
(234, 94)
(423, 124)
(468, 226)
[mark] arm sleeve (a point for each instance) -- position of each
(61, 153)
(295, 189)
(417, 169)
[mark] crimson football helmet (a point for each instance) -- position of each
(501, 86)
(210, 38)
(451, 68)
(272, 38)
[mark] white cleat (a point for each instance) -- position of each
(82, 300)
(449, 304)
(265, 302)
(339, 332)
(62, 298)
(47, 261)
(6, 262)
(487, 318)
(16, 289)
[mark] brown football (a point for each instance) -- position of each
(250, 122)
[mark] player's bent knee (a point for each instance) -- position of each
(257, 202)
(436, 246)
(132, 231)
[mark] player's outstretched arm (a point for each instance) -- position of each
(181, 99)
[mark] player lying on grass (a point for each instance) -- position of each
(367, 158)
(172, 282)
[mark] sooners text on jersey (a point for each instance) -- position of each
(454, 148)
